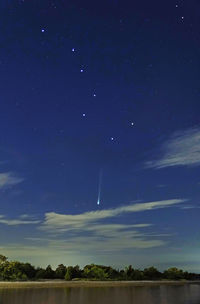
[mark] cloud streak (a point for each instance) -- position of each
(182, 149)
(70, 233)
(89, 234)
(17, 222)
(8, 179)
(55, 222)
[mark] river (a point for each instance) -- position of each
(158, 294)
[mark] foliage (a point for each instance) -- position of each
(95, 272)
(40, 274)
(174, 274)
(72, 273)
(49, 273)
(12, 271)
(133, 274)
(17, 271)
(60, 272)
(152, 273)
(28, 270)
(69, 273)
(3, 259)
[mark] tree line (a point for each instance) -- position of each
(17, 271)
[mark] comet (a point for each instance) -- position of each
(99, 188)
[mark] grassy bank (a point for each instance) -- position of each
(64, 284)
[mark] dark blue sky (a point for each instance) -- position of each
(109, 86)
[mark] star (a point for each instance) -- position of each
(81, 70)
(84, 114)
(42, 30)
(94, 95)
(132, 124)
(112, 138)
(73, 50)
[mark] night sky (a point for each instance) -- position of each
(100, 132)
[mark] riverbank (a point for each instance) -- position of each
(66, 284)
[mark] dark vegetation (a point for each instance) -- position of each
(17, 271)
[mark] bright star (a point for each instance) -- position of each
(81, 70)
(83, 114)
(42, 30)
(73, 50)
(112, 138)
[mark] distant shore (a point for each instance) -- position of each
(66, 284)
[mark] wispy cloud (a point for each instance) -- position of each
(8, 179)
(90, 234)
(55, 222)
(90, 228)
(190, 207)
(182, 149)
(16, 222)
(102, 238)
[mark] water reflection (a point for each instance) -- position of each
(187, 294)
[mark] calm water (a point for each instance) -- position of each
(187, 294)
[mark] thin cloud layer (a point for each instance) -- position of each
(16, 222)
(9, 179)
(55, 222)
(182, 149)
(67, 234)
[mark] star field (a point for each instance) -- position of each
(89, 87)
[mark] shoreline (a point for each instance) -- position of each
(78, 284)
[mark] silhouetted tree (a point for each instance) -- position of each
(40, 273)
(3, 259)
(60, 271)
(49, 273)
(95, 272)
(28, 270)
(152, 273)
(69, 273)
(14, 270)
(173, 274)
(133, 274)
